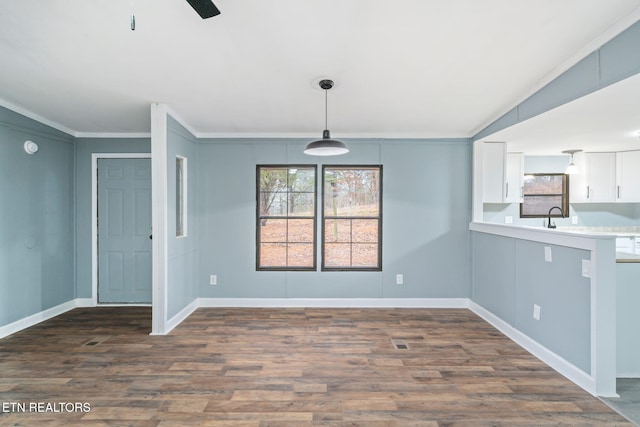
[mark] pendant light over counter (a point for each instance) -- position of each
(572, 169)
(326, 146)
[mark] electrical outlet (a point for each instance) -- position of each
(586, 268)
(536, 311)
(399, 279)
(508, 219)
(574, 219)
(547, 254)
(213, 280)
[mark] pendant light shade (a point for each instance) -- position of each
(572, 169)
(326, 146)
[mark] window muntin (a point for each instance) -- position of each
(352, 218)
(542, 191)
(286, 217)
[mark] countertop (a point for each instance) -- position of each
(627, 257)
(609, 231)
(622, 256)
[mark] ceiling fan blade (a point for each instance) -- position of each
(205, 8)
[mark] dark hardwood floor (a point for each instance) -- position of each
(284, 367)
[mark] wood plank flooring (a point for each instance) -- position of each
(285, 367)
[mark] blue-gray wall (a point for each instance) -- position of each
(182, 262)
(628, 319)
(84, 148)
(36, 218)
(511, 275)
(426, 212)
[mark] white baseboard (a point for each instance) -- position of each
(180, 317)
(634, 374)
(335, 302)
(47, 314)
(556, 362)
(85, 302)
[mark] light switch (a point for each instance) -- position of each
(536, 311)
(547, 254)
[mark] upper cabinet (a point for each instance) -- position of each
(606, 178)
(502, 174)
(628, 176)
(514, 186)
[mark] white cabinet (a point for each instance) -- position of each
(502, 174)
(606, 178)
(596, 180)
(514, 186)
(493, 171)
(628, 176)
(601, 173)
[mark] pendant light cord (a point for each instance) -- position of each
(133, 17)
(326, 109)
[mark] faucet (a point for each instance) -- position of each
(549, 225)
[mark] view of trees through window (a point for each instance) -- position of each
(542, 192)
(287, 220)
(351, 217)
(286, 217)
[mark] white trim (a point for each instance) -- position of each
(634, 374)
(123, 305)
(178, 118)
(159, 196)
(334, 302)
(180, 317)
(84, 302)
(47, 314)
(16, 109)
(94, 211)
(118, 135)
(558, 363)
(341, 135)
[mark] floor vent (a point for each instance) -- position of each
(95, 341)
(400, 344)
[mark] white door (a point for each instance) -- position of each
(124, 231)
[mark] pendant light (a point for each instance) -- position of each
(572, 169)
(326, 146)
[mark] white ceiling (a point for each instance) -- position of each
(403, 68)
(606, 120)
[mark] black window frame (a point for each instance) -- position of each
(323, 219)
(565, 197)
(260, 218)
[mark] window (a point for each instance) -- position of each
(181, 196)
(544, 191)
(352, 218)
(286, 218)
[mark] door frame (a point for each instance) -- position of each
(94, 220)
